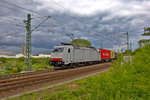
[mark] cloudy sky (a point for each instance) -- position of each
(98, 21)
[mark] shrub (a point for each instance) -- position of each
(14, 69)
(41, 66)
(2, 59)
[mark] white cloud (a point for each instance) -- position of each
(90, 7)
(117, 48)
(16, 49)
(102, 17)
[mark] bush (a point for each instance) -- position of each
(7, 64)
(21, 59)
(2, 59)
(41, 66)
(14, 69)
(12, 65)
(127, 52)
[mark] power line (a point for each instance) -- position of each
(124, 33)
(39, 14)
(66, 9)
(58, 19)
(66, 24)
(136, 29)
(39, 17)
(20, 26)
(20, 7)
(34, 12)
(57, 10)
(12, 9)
(55, 18)
(11, 21)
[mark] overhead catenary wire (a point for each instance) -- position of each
(41, 14)
(58, 12)
(28, 9)
(67, 10)
(12, 19)
(64, 8)
(124, 33)
(21, 7)
(35, 12)
(18, 20)
(116, 39)
(12, 9)
(38, 17)
(9, 20)
(20, 11)
(58, 19)
(136, 29)
(36, 25)
(53, 18)
(19, 23)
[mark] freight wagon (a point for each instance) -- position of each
(112, 55)
(70, 56)
(106, 55)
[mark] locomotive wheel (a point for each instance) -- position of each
(64, 66)
(73, 65)
(50, 63)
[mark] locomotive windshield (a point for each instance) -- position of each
(58, 50)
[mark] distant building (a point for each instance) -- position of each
(35, 56)
(45, 55)
(8, 55)
(23, 51)
(42, 55)
(19, 55)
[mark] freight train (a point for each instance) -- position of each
(67, 56)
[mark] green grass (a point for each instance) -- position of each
(129, 82)
(7, 65)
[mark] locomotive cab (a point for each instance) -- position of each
(57, 56)
(61, 55)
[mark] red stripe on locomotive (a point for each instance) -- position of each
(56, 59)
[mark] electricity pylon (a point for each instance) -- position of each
(28, 40)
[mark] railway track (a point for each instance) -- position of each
(30, 81)
(24, 74)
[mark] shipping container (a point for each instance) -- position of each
(105, 54)
(112, 54)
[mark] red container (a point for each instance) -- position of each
(105, 54)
